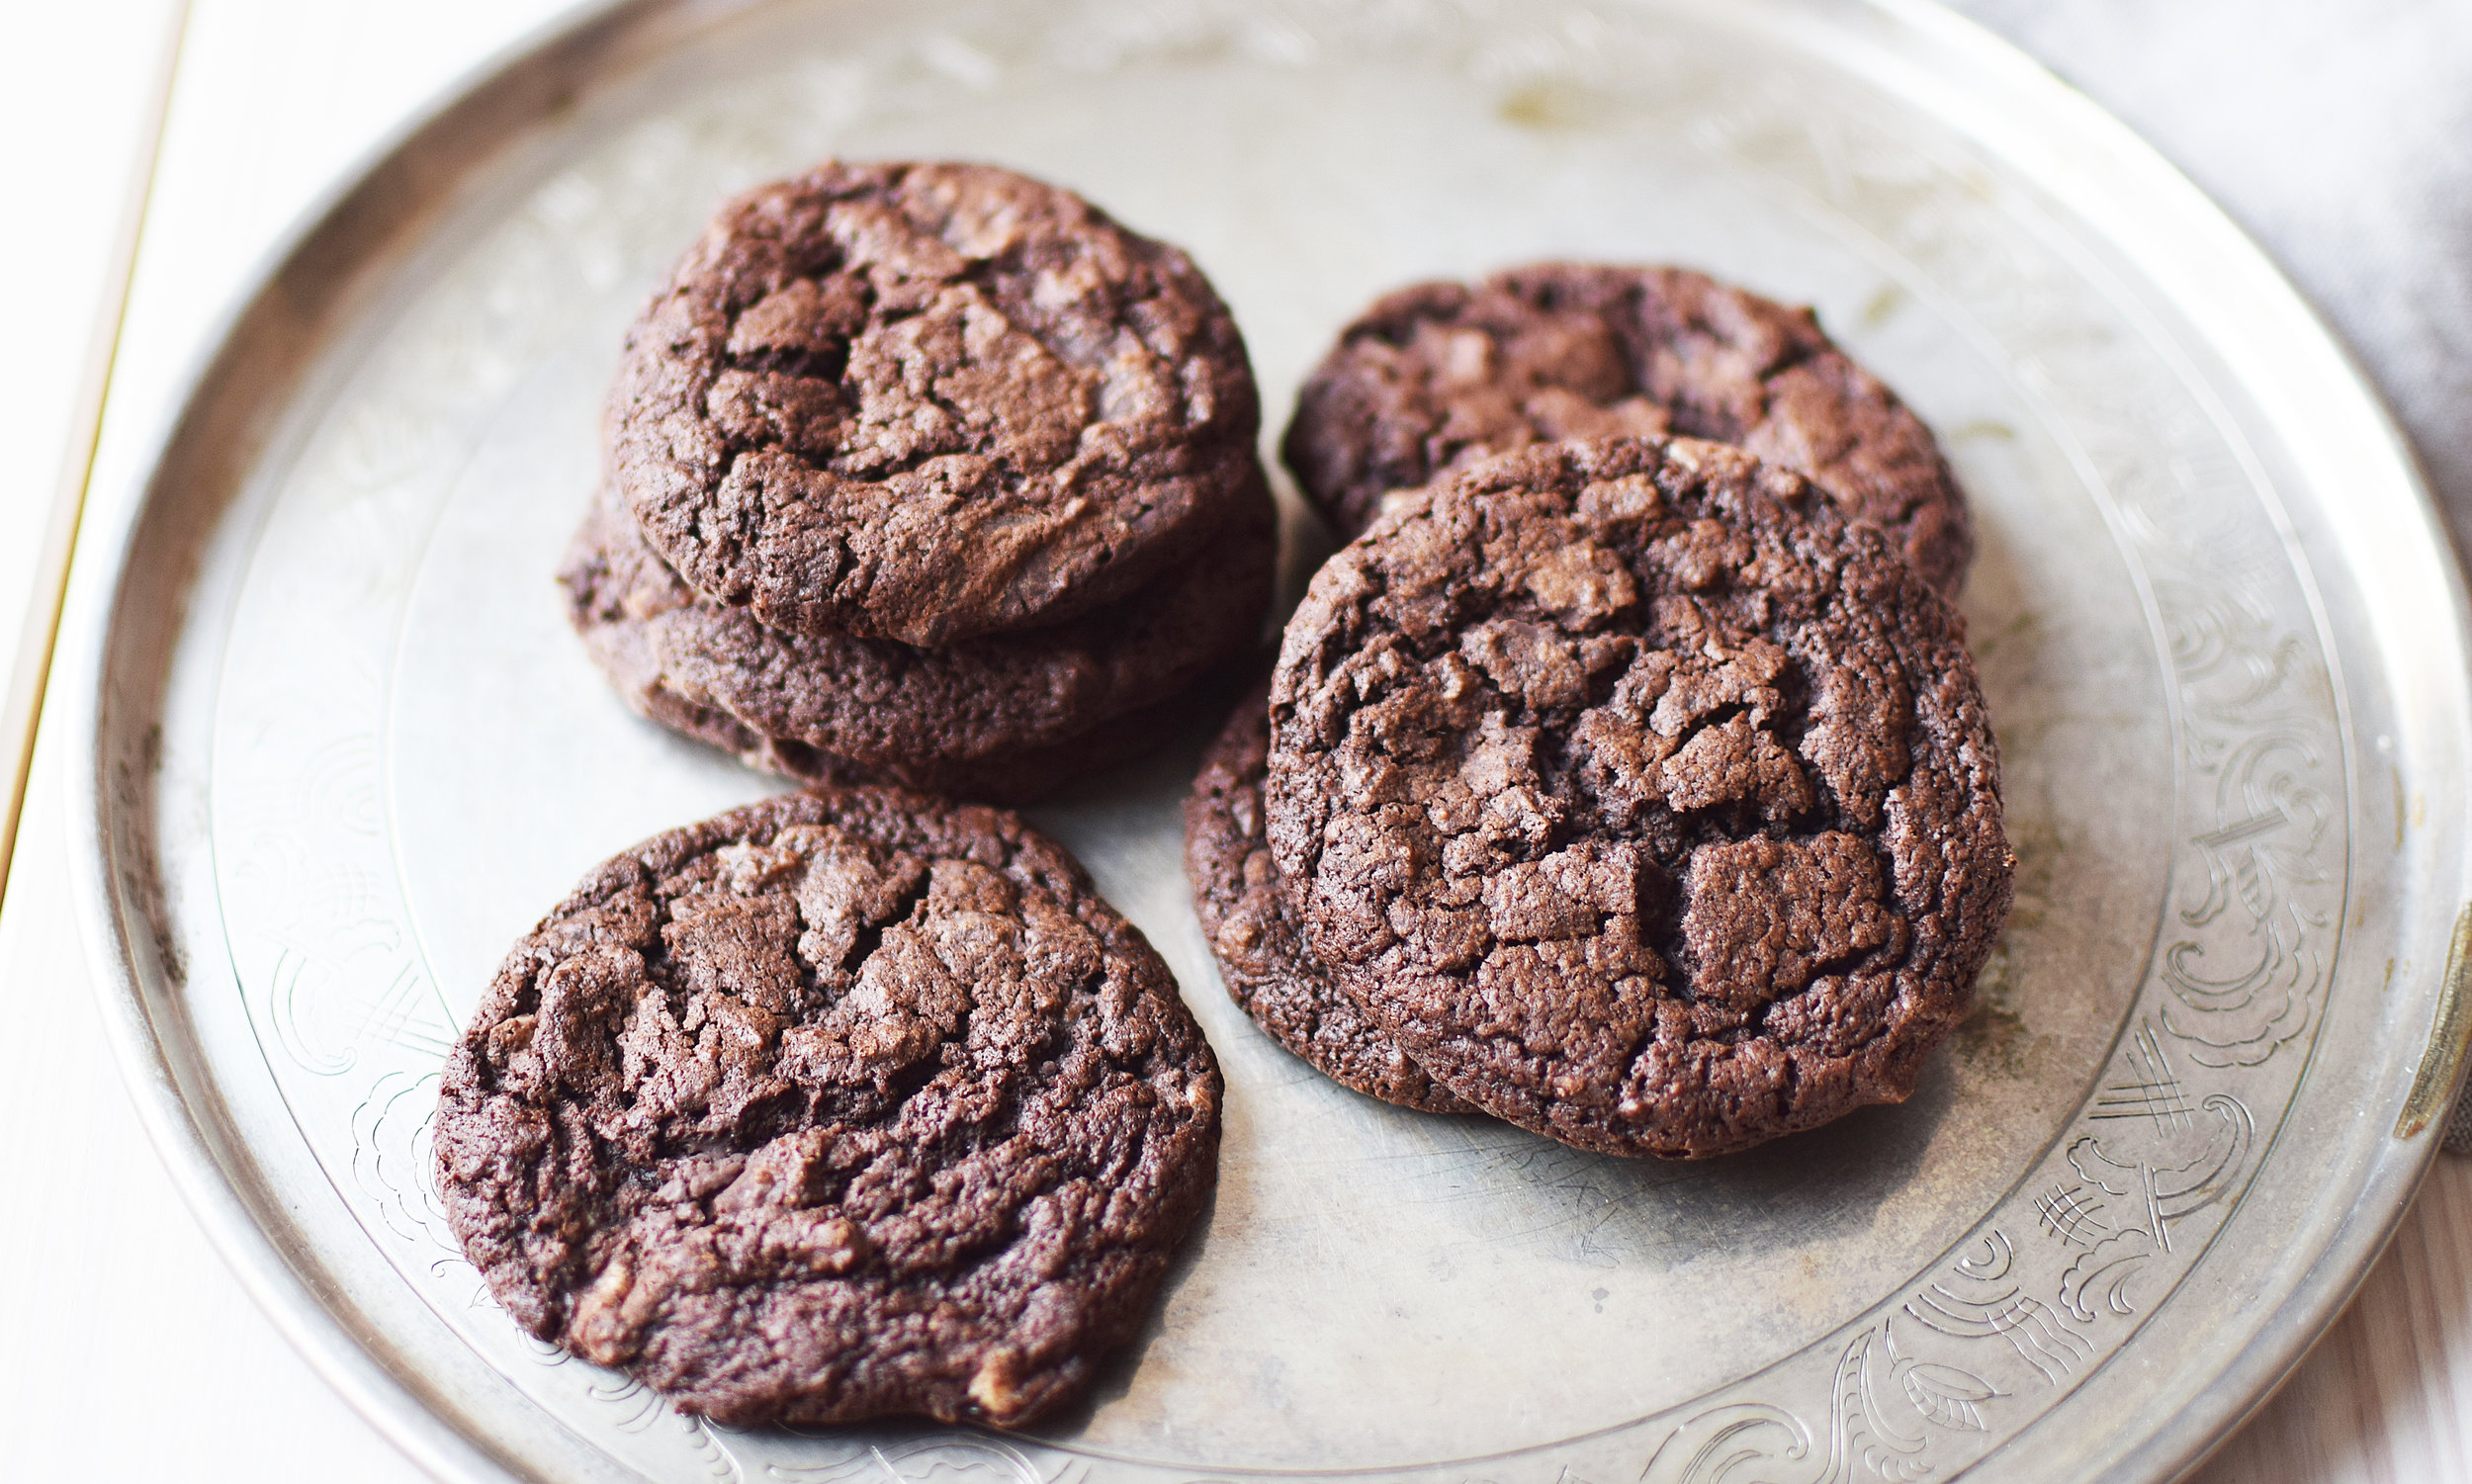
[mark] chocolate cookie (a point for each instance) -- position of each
(838, 1105)
(1252, 933)
(1013, 778)
(922, 712)
(1437, 376)
(928, 401)
(1645, 801)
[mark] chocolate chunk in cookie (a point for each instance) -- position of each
(838, 1105)
(924, 715)
(1644, 800)
(1435, 377)
(928, 401)
(1253, 934)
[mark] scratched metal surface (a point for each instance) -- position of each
(344, 749)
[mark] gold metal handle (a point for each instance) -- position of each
(2448, 1036)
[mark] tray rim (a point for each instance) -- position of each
(208, 1162)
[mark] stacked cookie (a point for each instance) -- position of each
(929, 473)
(1635, 789)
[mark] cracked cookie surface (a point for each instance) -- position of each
(1253, 936)
(1005, 707)
(1438, 374)
(843, 1105)
(926, 401)
(1647, 801)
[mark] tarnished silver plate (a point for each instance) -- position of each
(343, 751)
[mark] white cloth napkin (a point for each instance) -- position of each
(2340, 133)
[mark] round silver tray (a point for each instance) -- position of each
(340, 749)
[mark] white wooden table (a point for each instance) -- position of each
(125, 1350)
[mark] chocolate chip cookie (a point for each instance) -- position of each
(1438, 374)
(843, 1105)
(928, 401)
(1253, 934)
(926, 716)
(1645, 801)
